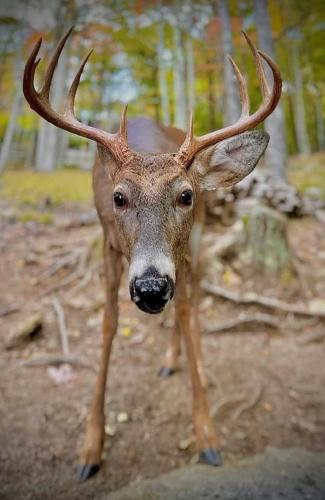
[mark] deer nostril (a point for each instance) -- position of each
(154, 287)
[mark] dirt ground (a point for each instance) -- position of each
(271, 385)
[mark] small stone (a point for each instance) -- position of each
(184, 444)
(240, 435)
(122, 417)
(267, 407)
(110, 430)
(126, 332)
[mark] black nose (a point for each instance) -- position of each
(151, 291)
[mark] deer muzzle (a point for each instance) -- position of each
(151, 291)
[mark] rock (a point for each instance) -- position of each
(122, 417)
(292, 474)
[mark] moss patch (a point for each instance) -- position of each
(308, 172)
(59, 187)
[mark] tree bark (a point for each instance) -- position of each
(276, 153)
(299, 105)
(232, 104)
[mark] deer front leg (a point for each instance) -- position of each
(90, 457)
(205, 434)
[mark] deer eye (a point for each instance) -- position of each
(120, 200)
(186, 198)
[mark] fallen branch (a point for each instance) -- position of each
(252, 298)
(244, 319)
(51, 359)
(7, 310)
(62, 327)
(317, 336)
(251, 403)
(232, 399)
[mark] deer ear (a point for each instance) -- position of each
(230, 161)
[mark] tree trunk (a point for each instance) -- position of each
(211, 100)
(320, 132)
(232, 104)
(179, 76)
(49, 138)
(50, 143)
(190, 66)
(10, 130)
(299, 105)
(276, 153)
(190, 73)
(266, 252)
(162, 76)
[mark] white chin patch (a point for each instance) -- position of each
(163, 264)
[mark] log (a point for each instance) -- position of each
(253, 298)
(25, 331)
(243, 320)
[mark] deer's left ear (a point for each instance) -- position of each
(230, 161)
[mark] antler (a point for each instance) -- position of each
(192, 144)
(39, 101)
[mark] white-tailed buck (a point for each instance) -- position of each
(148, 184)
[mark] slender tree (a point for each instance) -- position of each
(190, 66)
(232, 105)
(276, 153)
(299, 104)
(179, 73)
(162, 74)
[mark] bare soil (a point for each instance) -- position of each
(276, 380)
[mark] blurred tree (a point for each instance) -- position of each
(51, 141)
(299, 104)
(190, 66)
(232, 105)
(180, 119)
(162, 73)
(276, 153)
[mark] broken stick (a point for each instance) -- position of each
(253, 298)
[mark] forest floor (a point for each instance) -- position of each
(266, 387)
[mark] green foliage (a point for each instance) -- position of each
(45, 218)
(60, 187)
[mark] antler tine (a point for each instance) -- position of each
(244, 97)
(259, 66)
(74, 87)
(30, 68)
(123, 123)
(189, 148)
(53, 63)
(40, 102)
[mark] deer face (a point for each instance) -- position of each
(154, 199)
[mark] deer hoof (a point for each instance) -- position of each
(166, 372)
(210, 456)
(86, 471)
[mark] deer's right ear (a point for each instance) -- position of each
(107, 160)
(229, 161)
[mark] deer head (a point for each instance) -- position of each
(154, 195)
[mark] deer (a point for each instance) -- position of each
(149, 183)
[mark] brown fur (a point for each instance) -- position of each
(151, 174)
